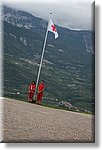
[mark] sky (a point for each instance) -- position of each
(74, 14)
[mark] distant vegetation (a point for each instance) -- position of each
(68, 65)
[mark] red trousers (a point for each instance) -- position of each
(30, 95)
(39, 97)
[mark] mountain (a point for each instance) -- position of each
(68, 64)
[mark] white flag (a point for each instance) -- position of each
(52, 28)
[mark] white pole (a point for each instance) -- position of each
(41, 62)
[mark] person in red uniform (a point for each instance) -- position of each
(40, 92)
(31, 91)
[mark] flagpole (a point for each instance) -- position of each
(41, 61)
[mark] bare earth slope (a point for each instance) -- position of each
(26, 122)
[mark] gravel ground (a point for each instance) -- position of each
(26, 122)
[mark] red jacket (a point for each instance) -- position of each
(32, 87)
(41, 87)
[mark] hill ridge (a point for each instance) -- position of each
(68, 65)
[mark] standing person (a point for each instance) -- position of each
(40, 92)
(31, 91)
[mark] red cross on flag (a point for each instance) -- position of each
(52, 28)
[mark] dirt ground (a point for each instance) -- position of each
(26, 122)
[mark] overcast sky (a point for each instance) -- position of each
(75, 14)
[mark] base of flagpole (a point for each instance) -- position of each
(34, 99)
